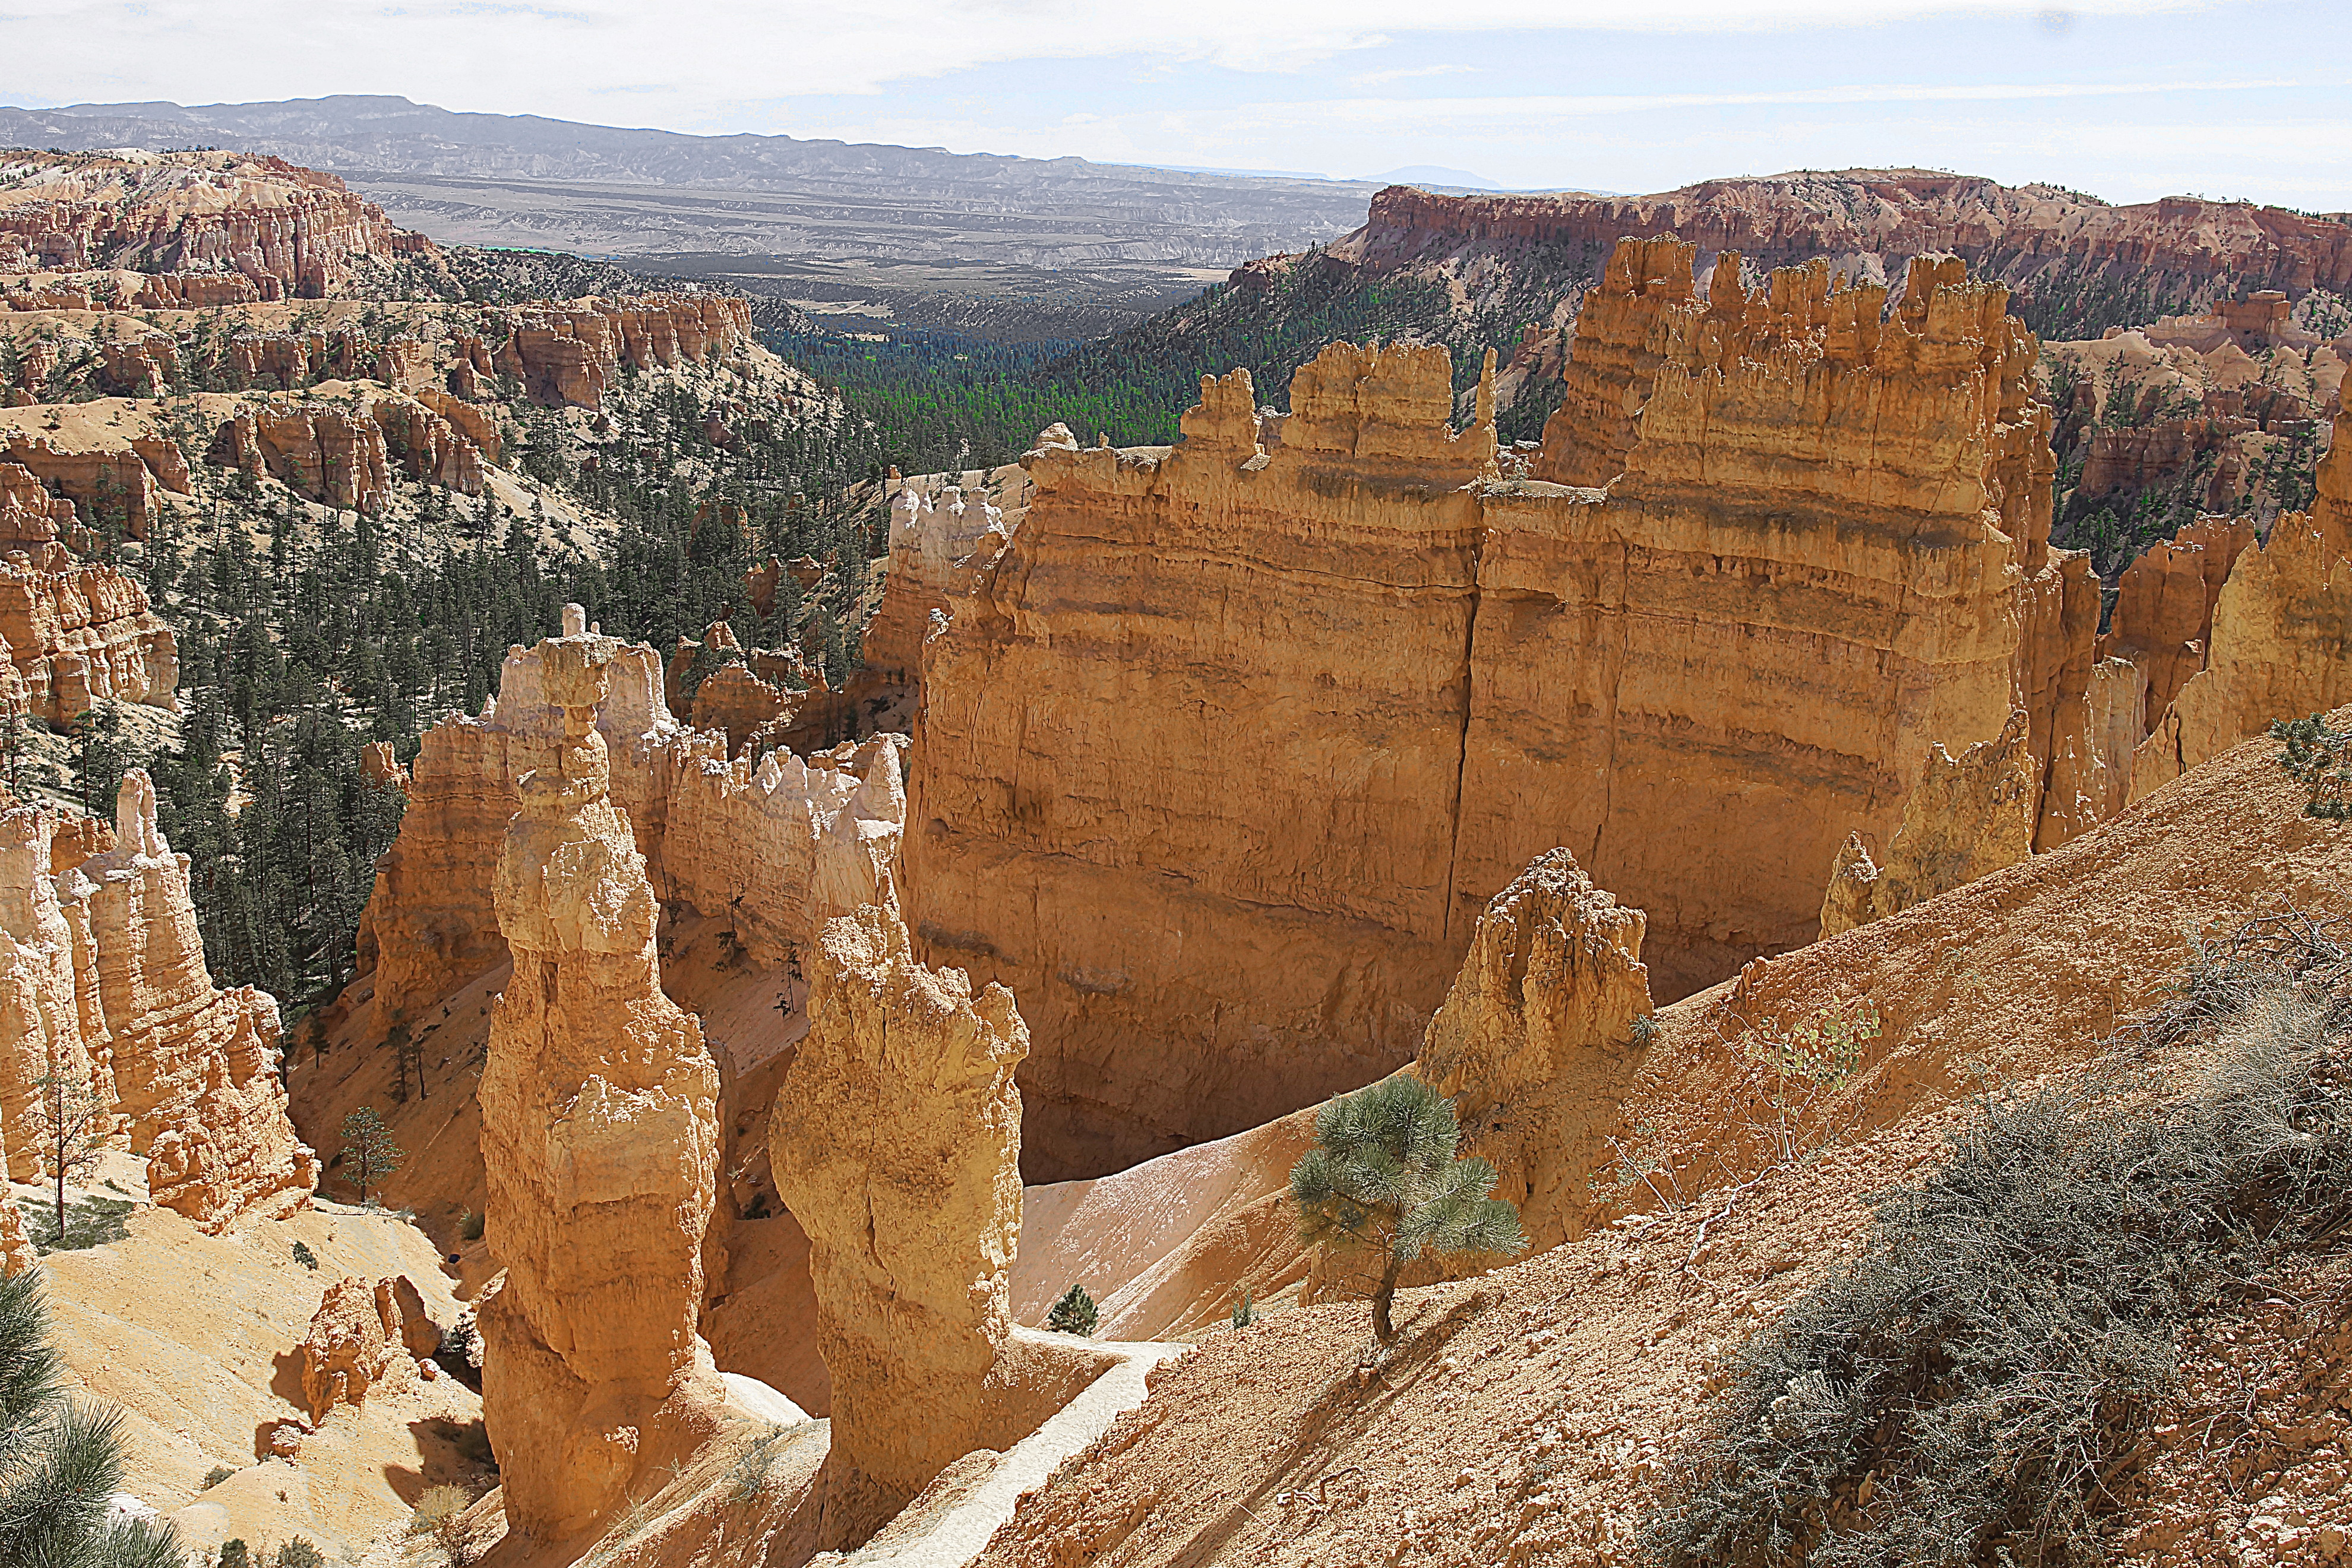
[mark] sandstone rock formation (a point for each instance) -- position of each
(2282, 626)
(2163, 616)
(79, 635)
(937, 540)
(896, 1144)
(1967, 818)
(284, 231)
(344, 456)
(1254, 840)
(102, 978)
(16, 1254)
(1537, 1041)
(778, 848)
(600, 1142)
(574, 352)
(359, 1336)
(2179, 249)
(119, 481)
(2203, 413)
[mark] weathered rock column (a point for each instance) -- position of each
(1537, 1043)
(896, 1142)
(600, 1141)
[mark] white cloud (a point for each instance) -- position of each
(1381, 79)
(692, 66)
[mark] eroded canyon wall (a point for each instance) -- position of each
(103, 982)
(1221, 762)
(1187, 758)
(778, 849)
(2281, 640)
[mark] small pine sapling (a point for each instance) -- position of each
(1074, 1313)
(1382, 1178)
(2319, 759)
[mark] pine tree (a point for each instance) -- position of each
(1382, 1178)
(370, 1154)
(60, 1460)
(76, 1134)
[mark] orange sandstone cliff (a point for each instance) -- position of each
(1221, 760)
(105, 983)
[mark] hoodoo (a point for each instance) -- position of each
(600, 1142)
(896, 1142)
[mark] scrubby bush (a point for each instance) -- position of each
(1382, 1178)
(469, 1226)
(2319, 759)
(1970, 1386)
(1074, 1313)
(305, 1257)
(233, 1554)
(1244, 1310)
(60, 1459)
(215, 1475)
(300, 1554)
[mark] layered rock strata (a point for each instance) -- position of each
(2281, 644)
(2163, 616)
(600, 1146)
(1228, 750)
(2182, 249)
(896, 1142)
(1968, 817)
(252, 227)
(102, 979)
(938, 541)
(1125, 805)
(79, 635)
(778, 848)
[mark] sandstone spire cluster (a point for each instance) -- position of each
(599, 1144)
(102, 982)
(778, 849)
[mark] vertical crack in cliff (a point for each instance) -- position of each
(1615, 688)
(1462, 734)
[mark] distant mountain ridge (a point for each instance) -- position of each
(523, 180)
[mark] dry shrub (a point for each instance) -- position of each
(1975, 1387)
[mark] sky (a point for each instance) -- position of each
(2125, 99)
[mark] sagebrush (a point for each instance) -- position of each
(1974, 1387)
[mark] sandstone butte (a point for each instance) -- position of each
(219, 228)
(1823, 551)
(600, 1142)
(102, 980)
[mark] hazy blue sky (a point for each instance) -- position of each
(2127, 98)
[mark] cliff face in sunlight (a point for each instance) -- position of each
(1222, 758)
